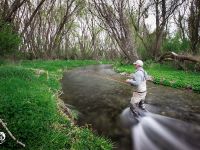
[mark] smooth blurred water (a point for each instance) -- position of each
(95, 92)
(156, 132)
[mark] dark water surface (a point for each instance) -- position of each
(98, 96)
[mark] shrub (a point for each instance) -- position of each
(175, 44)
(9, 41)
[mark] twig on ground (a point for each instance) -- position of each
(10, 134)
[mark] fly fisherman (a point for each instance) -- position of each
(138, 79)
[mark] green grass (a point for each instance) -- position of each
(168, 75)
(57, 65)
(29, 107)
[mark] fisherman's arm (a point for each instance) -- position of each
(131, 76)
(137, 79)
(148, 77)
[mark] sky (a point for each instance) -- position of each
(151, 23)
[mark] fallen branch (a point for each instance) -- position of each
(174, 56)
(10, 134)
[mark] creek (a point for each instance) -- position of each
(100, 95)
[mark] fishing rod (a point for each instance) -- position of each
(112, 79)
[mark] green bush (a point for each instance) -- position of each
(175, 44)
(2, 62)
(9, 41)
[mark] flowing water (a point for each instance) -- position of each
(100, 95)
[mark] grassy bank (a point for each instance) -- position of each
(167, 75)
(28, 104)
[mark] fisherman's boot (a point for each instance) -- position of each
(133, 110)
(141, 104)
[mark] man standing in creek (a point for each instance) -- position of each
(138, 79)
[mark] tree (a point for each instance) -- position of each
(116, 23)
(163, 10)
(180, 17)
(9, 11)
(194, 25)
(32, 17)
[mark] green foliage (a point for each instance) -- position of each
(58, 65)
(175, 44)
(166, 74)
(29, 108)
(87, 141)
(9, 41)
(196, 88)
(3, 62)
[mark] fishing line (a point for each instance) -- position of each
(112, 79)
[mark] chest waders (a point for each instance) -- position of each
(140, 104)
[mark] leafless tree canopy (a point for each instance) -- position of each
(94, 29)
(114, 20)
